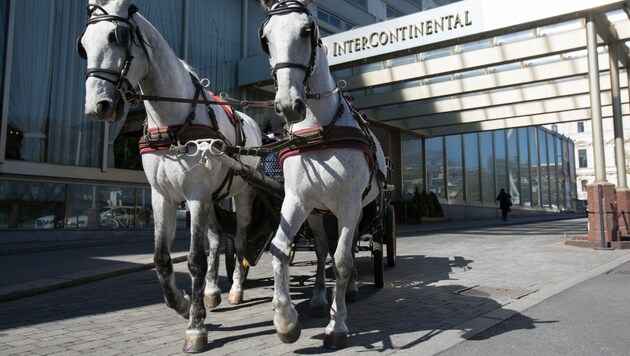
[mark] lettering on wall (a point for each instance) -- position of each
(391, 37)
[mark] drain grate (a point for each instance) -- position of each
(494, 292)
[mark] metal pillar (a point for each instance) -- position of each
(620, 162)
(596, 104)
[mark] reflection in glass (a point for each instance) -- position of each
(486, 167)
(31, 205)
(435, 165)
(54, 129)
(412, 165)
(544, 168)
(534, 171)
(100, 207)
(523, 154)
(455, 176)
(513, 180)
(48, 205)
(553, 175)
(471, 154)
(500, 157)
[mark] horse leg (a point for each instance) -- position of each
(165, 224)
(196, 339)
(337, 332)
(243, 204)
(285, 319)
(352, 289)
(319, 303)
(212, 292)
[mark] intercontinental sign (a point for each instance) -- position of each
(448, 22)
(412, 31)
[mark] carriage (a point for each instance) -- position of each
(378, 236)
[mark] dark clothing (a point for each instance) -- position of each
(273, 124)
(505, 201)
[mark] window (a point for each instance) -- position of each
(582, 161)
(584, 183)
(333, 20)
(580, 126)
(412, 165)
(392, 13)
(471, 166)
(362, 3)
(454, 168)
(435, 165)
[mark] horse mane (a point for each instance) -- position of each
(190, 69)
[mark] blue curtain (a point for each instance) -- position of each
(215, 42)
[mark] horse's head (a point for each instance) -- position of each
(290, 37)
(109, 43)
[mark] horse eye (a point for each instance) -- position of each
(306, 32)
(111, 37)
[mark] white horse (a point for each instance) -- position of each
(337, 178)
(122, 50)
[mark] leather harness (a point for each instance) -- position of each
(176, 137)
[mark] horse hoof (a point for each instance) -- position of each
(318, 311)
(195, 343)
(352, 296)
(235, 298)
(291, 336)
(212, 301)
(335, 341)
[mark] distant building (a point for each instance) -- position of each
(460, 110)
(581, 134)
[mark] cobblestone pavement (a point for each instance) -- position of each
(446, 287)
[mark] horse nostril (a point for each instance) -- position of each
(103, 107)
(278, 109)
(299, 106)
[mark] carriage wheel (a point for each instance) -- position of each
(230, 259)
(390, 235)
(377, 258)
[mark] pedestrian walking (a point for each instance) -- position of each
(505, 202)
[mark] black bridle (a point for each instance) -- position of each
(125, 35)
(286, 7)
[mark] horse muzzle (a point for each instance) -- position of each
(107, 110)
(293, 112)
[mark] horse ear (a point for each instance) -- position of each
(306, 3)
(266, 4)
(121, 4)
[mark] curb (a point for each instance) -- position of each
(74, 279)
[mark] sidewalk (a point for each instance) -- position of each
(452, 281)
(47, 266)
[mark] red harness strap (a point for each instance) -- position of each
(164, 137)
(340, 137)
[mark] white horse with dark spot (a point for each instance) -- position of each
(123, 50)
(338, 176)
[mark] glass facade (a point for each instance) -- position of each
(480, 164)
(28, 204)
(67, 171)
(412, 177)
(435, 166)
(471, 166)
(43, 110)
